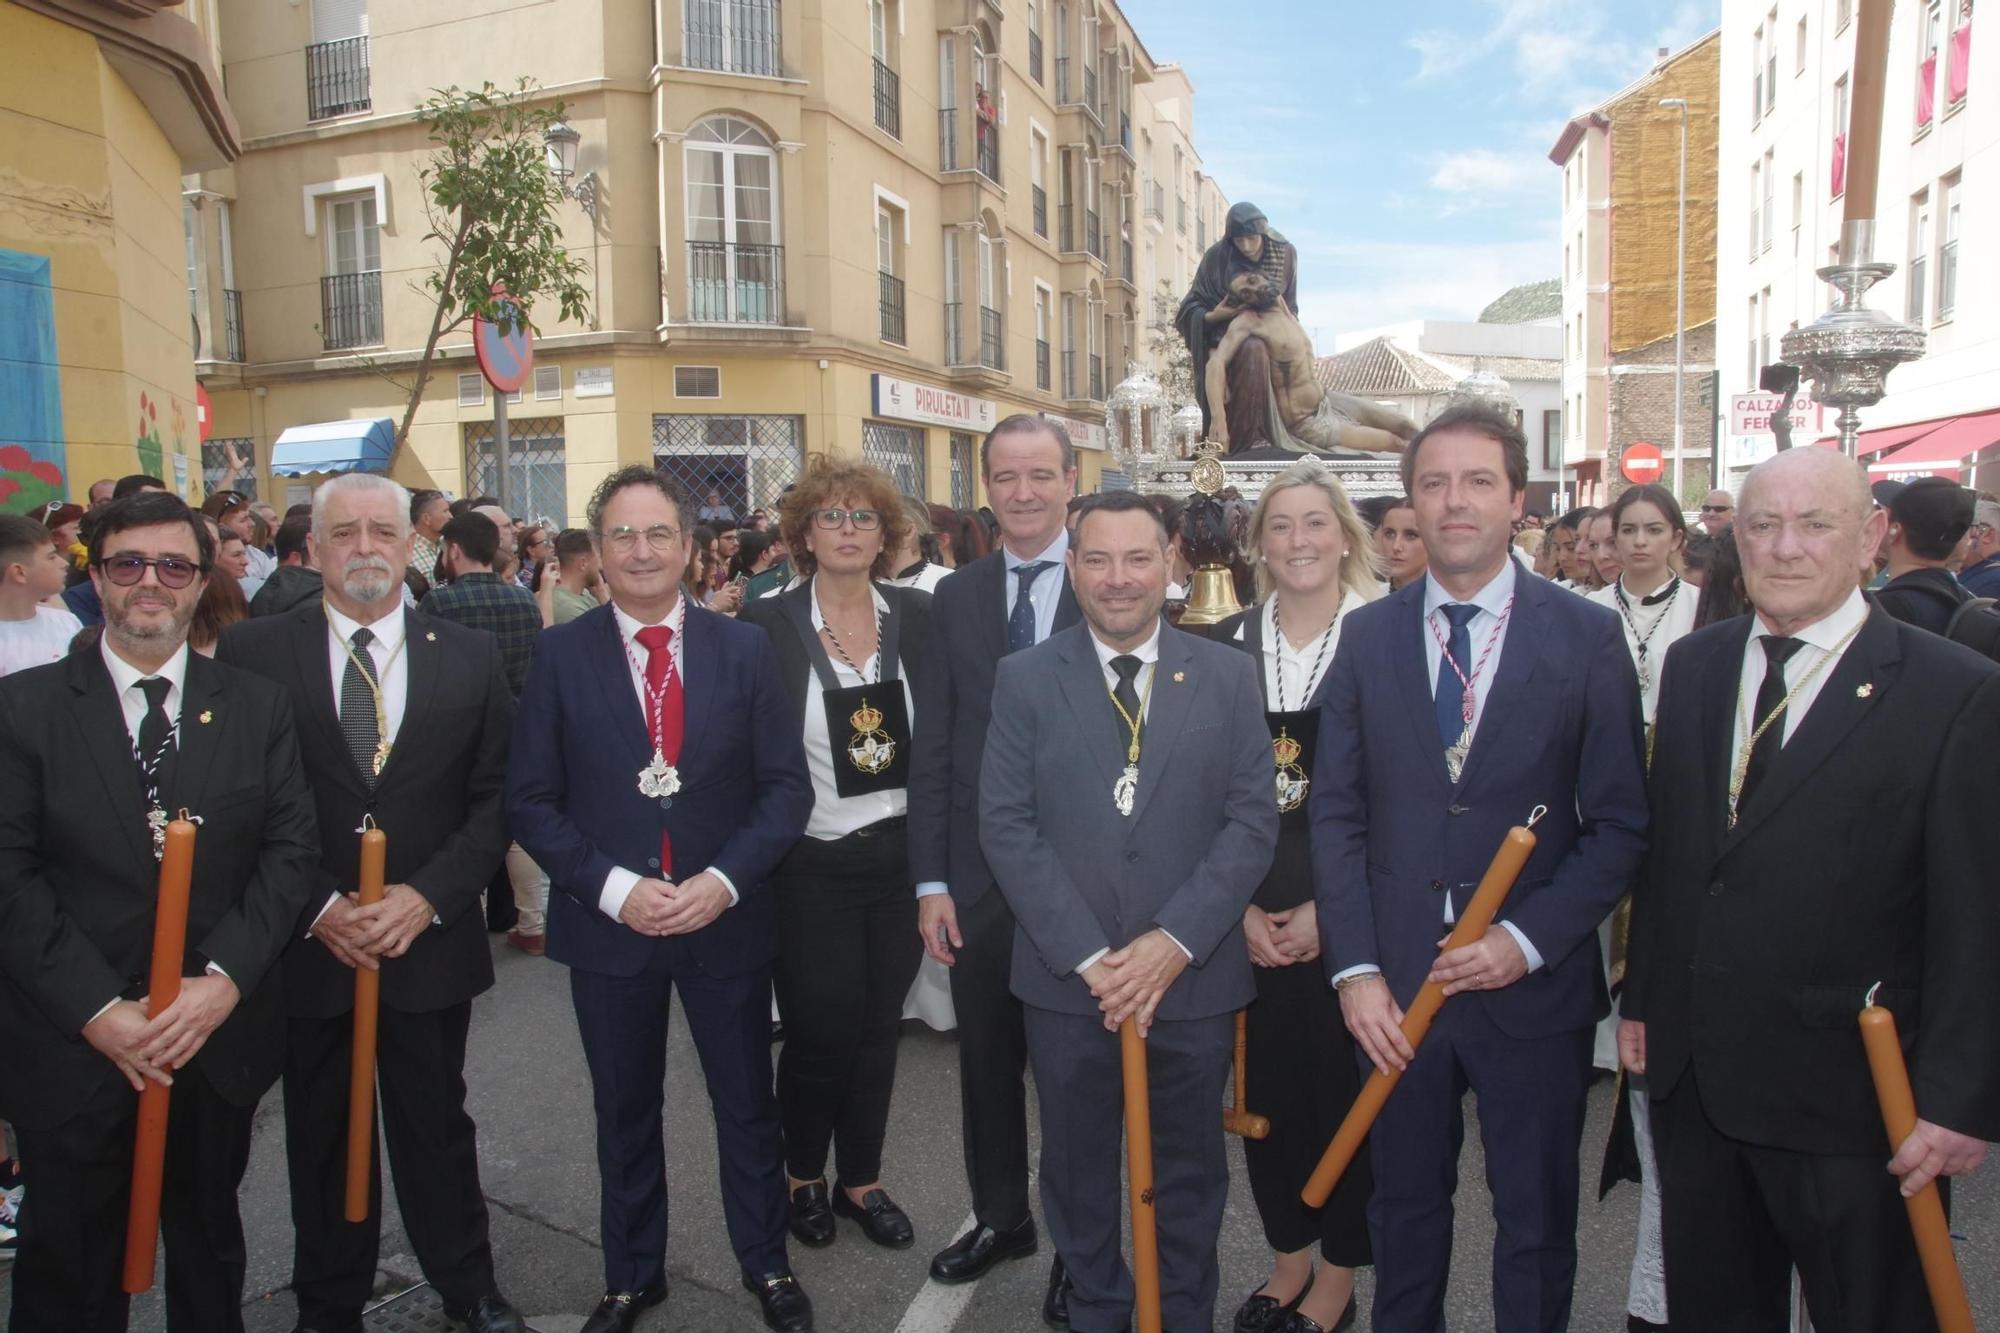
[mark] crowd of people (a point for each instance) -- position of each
(685, 754)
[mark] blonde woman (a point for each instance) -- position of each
(1314, 563)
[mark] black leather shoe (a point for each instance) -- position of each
(881, 1220)
(1300, 1323)
(493, 1314)
(812, 1220)
(620, 1310)
(787, 1308)
(1265, 1314)
(971, 1255)
(1055, 1305)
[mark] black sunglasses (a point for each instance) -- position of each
(130, 570)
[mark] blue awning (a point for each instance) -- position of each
(335, 446)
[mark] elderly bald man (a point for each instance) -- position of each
(1814, 832)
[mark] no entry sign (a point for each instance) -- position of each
(505, 358)
(1641, 463)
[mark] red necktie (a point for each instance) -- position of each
(663, 707)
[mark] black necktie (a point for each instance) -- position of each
(156, 736)
(357, 706)
(1021, 621)
(1127, 667)
(1777, 651)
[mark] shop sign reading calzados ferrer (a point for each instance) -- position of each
(907, 400)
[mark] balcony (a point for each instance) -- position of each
(1156, 203)
(1093, 234)
(1180, 212)
(888, 100)
(1125, 262)
(1042, 364)
(1035, 56)
(992, 339)
(948, 139)
(734, 36)
(1090, 92)
(989, 151)
(232, 325)
(1125, 130)
(337, 78)
(350, 310)
(1041, 212)
(892, 309)
(731, 283)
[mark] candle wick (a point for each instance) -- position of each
(1869, 1003)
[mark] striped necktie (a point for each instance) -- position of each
(357, 706)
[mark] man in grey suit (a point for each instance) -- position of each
(1127, 816)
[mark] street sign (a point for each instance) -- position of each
(1641, 463)
(505, 358)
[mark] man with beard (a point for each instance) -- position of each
(405, 724)
(94, 749)
(1127, 816)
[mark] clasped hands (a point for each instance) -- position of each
(1130, 982)
(144, 1048)
(363, 936)
(661, 907)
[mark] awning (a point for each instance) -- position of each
(1873, 443)
(1942, 447)
(335, 446)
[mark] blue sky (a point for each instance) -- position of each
(1404, 147)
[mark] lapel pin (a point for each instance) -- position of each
(1864, 691)
(207, 717)
(430, 636)
(1180, 677)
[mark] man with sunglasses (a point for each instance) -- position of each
(658, 776)
(96, 751)
(1718, 511)
(1980, 575)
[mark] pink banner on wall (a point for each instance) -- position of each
(1961, 58)
(1927, 89)
(1839, 165)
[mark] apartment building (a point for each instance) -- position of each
(1620, 263)
(867, 229)
(1782, 191)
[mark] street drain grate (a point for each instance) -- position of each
(418, 1310)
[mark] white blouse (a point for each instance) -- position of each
(1657, 626)
(835, 816)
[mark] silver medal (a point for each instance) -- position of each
(659, 778)
(1126, 789)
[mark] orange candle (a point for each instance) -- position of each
(367, 1013)
(1477, 919)
(1864, 131)
(149, 1145)
(1926, 1208)
(1139, 1175)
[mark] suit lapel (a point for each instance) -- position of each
(1724, 673)
(1871, 660)
(309, 645)
(993, 605)
(1406, 652)
(1174, 685)
(203, 718)
(1082, 683)
(1519, 656)
(421, 673)
(1067, 611)
(701, 658)
(102, 722)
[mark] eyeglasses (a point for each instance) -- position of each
(129, 570)
(661, 537)
(1718, 509)
(864, 520)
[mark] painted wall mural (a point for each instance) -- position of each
(32, 458)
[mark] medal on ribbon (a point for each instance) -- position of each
(869, 749)
(659, 779)
(1292, 782)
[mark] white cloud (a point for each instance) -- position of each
(1483, 172)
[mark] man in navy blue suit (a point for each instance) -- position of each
(657, 776)
(1453, 709)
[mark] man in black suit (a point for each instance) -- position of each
(405, 722)
(1815, 833)
(78, 880)
(1009, 600)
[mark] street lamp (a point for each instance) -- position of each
(1680, 302)
(561, 140)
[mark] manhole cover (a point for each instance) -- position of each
(418, 1310)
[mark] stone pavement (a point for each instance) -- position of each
(531, 1096)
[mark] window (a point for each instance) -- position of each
(888, 237)
(735, 265)
(1799, 49)
(1839, 184)
(1041, 336)
(548, 383)
(733, 36)
(697, 381)
(1961, 54)
(1756, 198)
(898, 451)
(1763, 336)
(947, 103)
(1770, 187)
(750, 460)
(888, 84)
(1920, 255)
(1947, 296)
(964, 468)
(1757, 76)
(1035, 40)
(1927, 63)
(351, 292)
(536, 462)
(1750, 376)
(472, 390)
(1038, 152)
(1771, 62)
(1798, 208)
(1552, 437)
(337, 59)
(954, 300)
(229, 464)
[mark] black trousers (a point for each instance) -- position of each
(1301, 1074)
(77, 1181)
(1736, 1218)
(847, 953)
(433, 1155)
(992, 1062)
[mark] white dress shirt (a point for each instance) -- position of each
(618, 884)
(1292, 674)
(1821, 639)
(1659, 626)
(833, 815)
(1047, 591)
(392, 665)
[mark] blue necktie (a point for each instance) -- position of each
(1021, 620)
(1450, 689)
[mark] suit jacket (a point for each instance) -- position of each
(969, 633)
(1081, 877)
(1864, 856)
(78, 882)
(438, 799)
(1392, 834)
(573, 798)
(910, 609)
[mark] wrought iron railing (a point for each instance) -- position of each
(1096, 377)
(1090, 91)
(337, 78)
(1093, 233)
(1156, 202)
(1071, 389)
(734, 36)
(892, 308)
(953, 343)
(888, 99)
(1066, 220)
(1125, 260)
(350, 309)
(989, 151)
(232, 324)
(731, 283)
(1035, 56)
(992, 339)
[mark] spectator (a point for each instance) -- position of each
(296, 579)
(1568, 538)
(267, 514)
(1718, 511)
(533, 548)
(1928, 518)
(1528, 543)
(725, 544)
(1981, 574)
(1722, 593)
(760, 520)
(961, 538)
(102, 492)
(232, 556)
(913, 568)
(1399, 543)
(35, 628)
(572, 585)
(479, 598)
(221, 604)
(1695, 557)
(81, 597)
(132, 485)
(1372, 509)
(714, 512)
(1599, 546)
(429, 512)
(62, 519)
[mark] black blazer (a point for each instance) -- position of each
(438, 799)
(78, 882)
(911, 608)
(968, 635)
(1865, 856)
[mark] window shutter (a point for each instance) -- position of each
(548, 381)
(471, 391)
(336, 20)
(697, 381)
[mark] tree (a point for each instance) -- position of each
(1175, 367)
(491, 201)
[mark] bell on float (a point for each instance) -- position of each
(1211, 596)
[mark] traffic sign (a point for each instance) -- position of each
(505, 358)
(1641, 463)
(204, 412)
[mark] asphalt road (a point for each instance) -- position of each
(531, 1097)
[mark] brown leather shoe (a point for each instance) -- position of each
(532, 945)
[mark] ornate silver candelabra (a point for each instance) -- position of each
(1849, 351)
